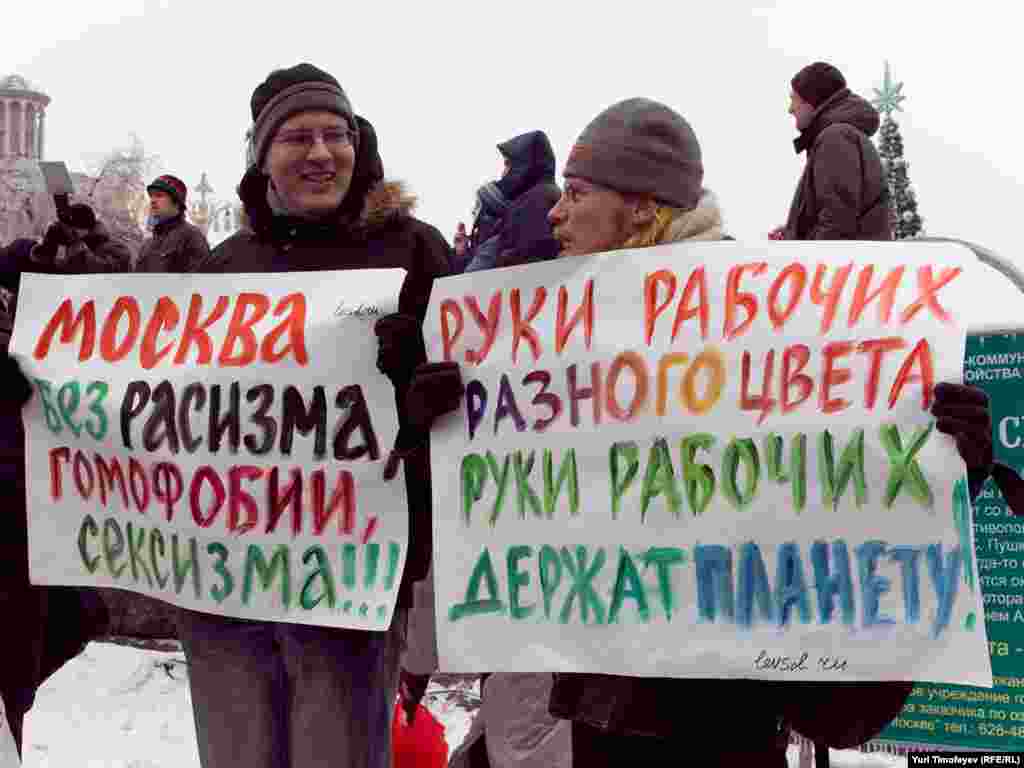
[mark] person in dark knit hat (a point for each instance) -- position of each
(842, 194)
(277, 695)
(77, 244)
(176, 245)
(174, 188)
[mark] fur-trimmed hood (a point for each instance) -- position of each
(386, 200)
(702, 223)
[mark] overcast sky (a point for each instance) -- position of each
(443, 83)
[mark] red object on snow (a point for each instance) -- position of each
(420, 745)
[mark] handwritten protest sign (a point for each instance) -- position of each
(215, 441)
(707, 460)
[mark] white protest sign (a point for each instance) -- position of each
(707, 460)
(215, 441)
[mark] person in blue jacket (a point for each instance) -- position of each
(511, 225)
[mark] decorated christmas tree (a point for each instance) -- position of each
(907, 221)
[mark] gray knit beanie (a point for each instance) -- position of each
(642, 147)
(287, 92)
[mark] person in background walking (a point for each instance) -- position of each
(842, 193)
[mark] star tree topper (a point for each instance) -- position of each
(887, 100)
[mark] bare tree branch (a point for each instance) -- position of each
(128, 165)
(114, 192)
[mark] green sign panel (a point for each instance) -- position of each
(987, 718)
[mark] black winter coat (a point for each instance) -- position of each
(176, 246)
(373, 230)
(93, 254)
(97, 253)
(526, 234)
(51, 624)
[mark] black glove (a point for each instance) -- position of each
(57, 234)
(963, 412)
(411, 690)
(15, 389)
(424, 391)
(1011, 485)
(435, 389)
(401, 348)
(62, 202)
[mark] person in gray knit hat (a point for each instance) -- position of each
(634, 177)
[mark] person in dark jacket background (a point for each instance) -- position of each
(511, 225)
(842, 193)
(79, 244)
(53, 624)
(176, 245)
(89, 248)
(276, 695)
(21, 645)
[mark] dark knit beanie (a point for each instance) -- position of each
(173, 186)
(287, 92)
(640, 146)
(817, 82)
(81, 216)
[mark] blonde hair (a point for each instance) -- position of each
(655, 232)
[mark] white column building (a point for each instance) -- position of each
(22, 119)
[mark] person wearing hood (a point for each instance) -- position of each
(511, 225)
(276, 695)
(176, 245)
(842, 193)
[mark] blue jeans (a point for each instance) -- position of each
(274, 695)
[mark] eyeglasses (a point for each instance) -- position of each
(331, 137)
(574, 190)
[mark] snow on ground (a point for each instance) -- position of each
(454, 704)
(120, 707)
(851, 758)
(113, 707)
